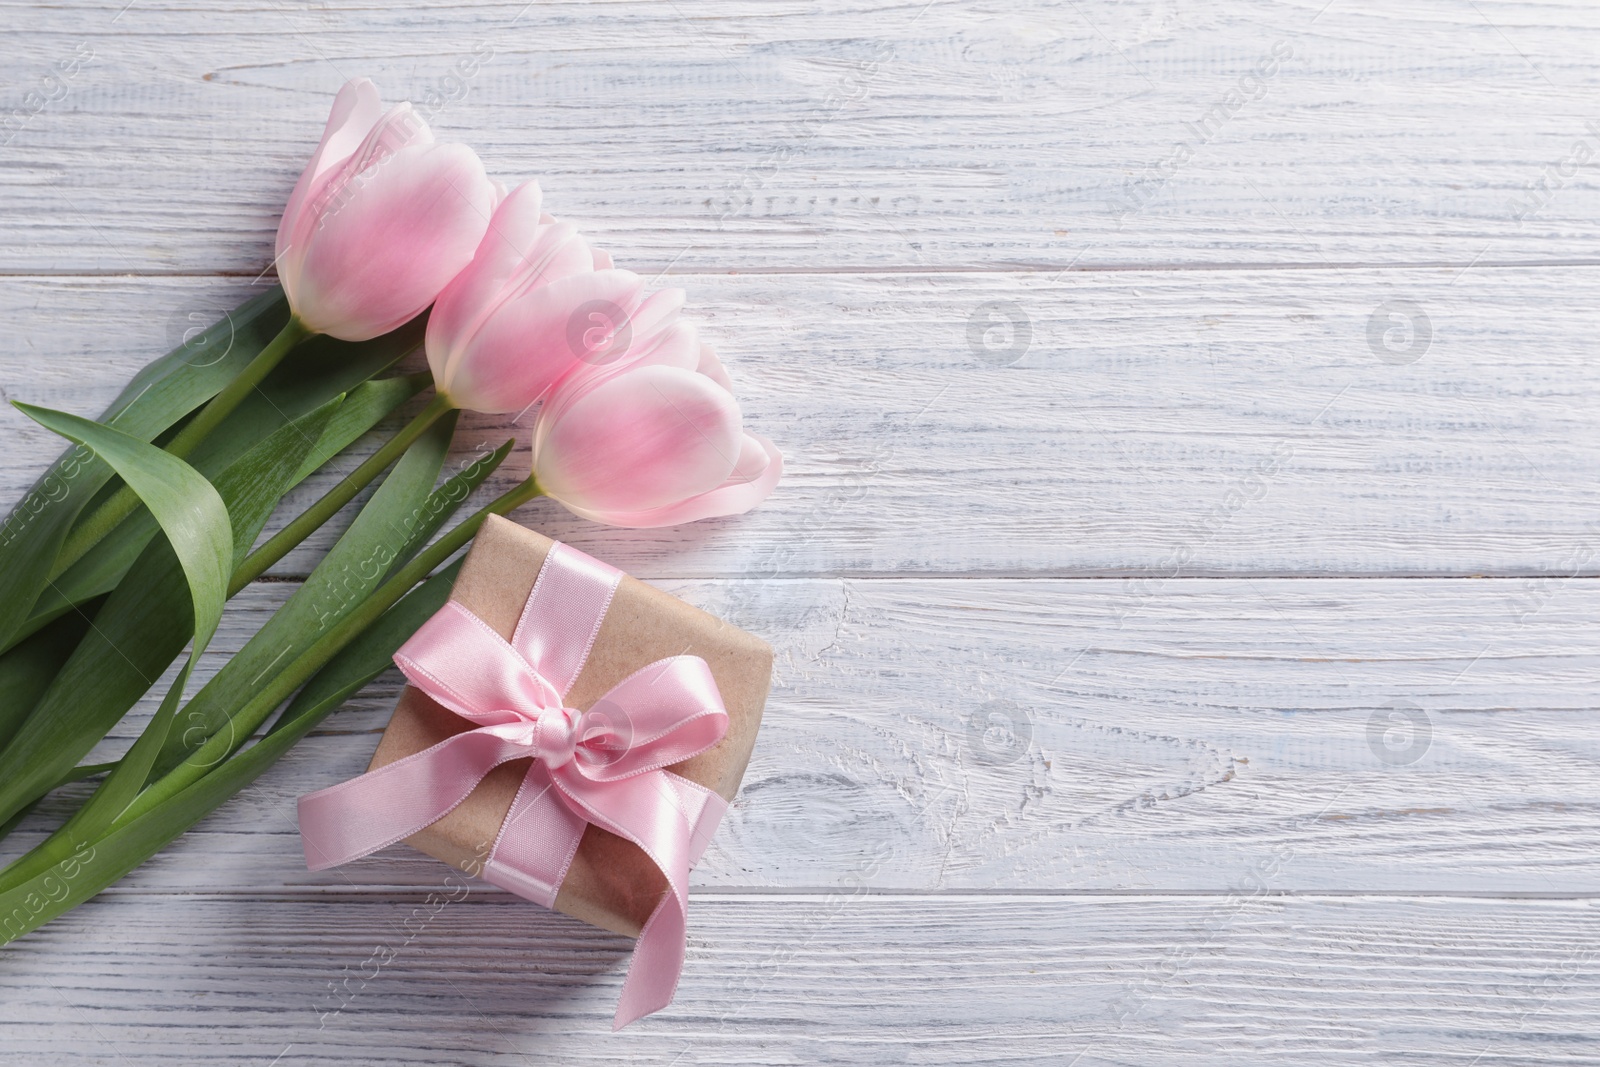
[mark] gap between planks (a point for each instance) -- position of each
(914, 269)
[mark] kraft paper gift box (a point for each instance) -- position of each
(611, 883)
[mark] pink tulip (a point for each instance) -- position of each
(381, 219)
(656, 441)
(535, 306)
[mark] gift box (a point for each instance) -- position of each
(638, 649)
(611, 883)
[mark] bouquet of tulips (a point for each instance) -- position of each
(125, 552)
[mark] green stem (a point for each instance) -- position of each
(250, 717)
(222, 744)
(313, 517)
(125, 501)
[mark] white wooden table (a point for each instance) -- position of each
(1183, 582)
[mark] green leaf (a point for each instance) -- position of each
(27, 669)
(283, 684)
(444, 501)
(189, 510)
(179, 382)
(367, 656)
(257, 480)
(368, 403)
(94, 864)
(142, 627)
(157, 398)
(344, 577)
(262, 475)
(104, 565)
(213, 707)
(315, 372)
(77, 774)
(196, 523)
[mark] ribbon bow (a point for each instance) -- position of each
(604, 765)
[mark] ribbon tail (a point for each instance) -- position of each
(657, 959)
(663, 943)
(361, 816)
(654, 813)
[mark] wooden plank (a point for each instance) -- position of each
(832, 979)
(722, 134)
(1418, 735)
(1031, 788)
(1157, 423)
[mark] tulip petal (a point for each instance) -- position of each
(536, 339)
(737, 495)
(382, 251)
(659, 310)
(517, 254)
(506, 241)
(755, 455)
(712, 368)
(676, 346)
(489, 282)
(638, 441)
(356, 110)
(558, 251)
(400, 127)
(655, 336)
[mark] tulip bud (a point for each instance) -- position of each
(380, 220)
(535, 306)
(656, 443)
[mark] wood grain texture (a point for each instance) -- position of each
(1182, 578)
(729, 135)
(1354, 735)
(814, 980)
(1157, 424)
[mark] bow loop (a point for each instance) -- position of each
(660, 715)
(457, 659)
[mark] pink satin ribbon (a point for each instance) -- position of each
(604, 766)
